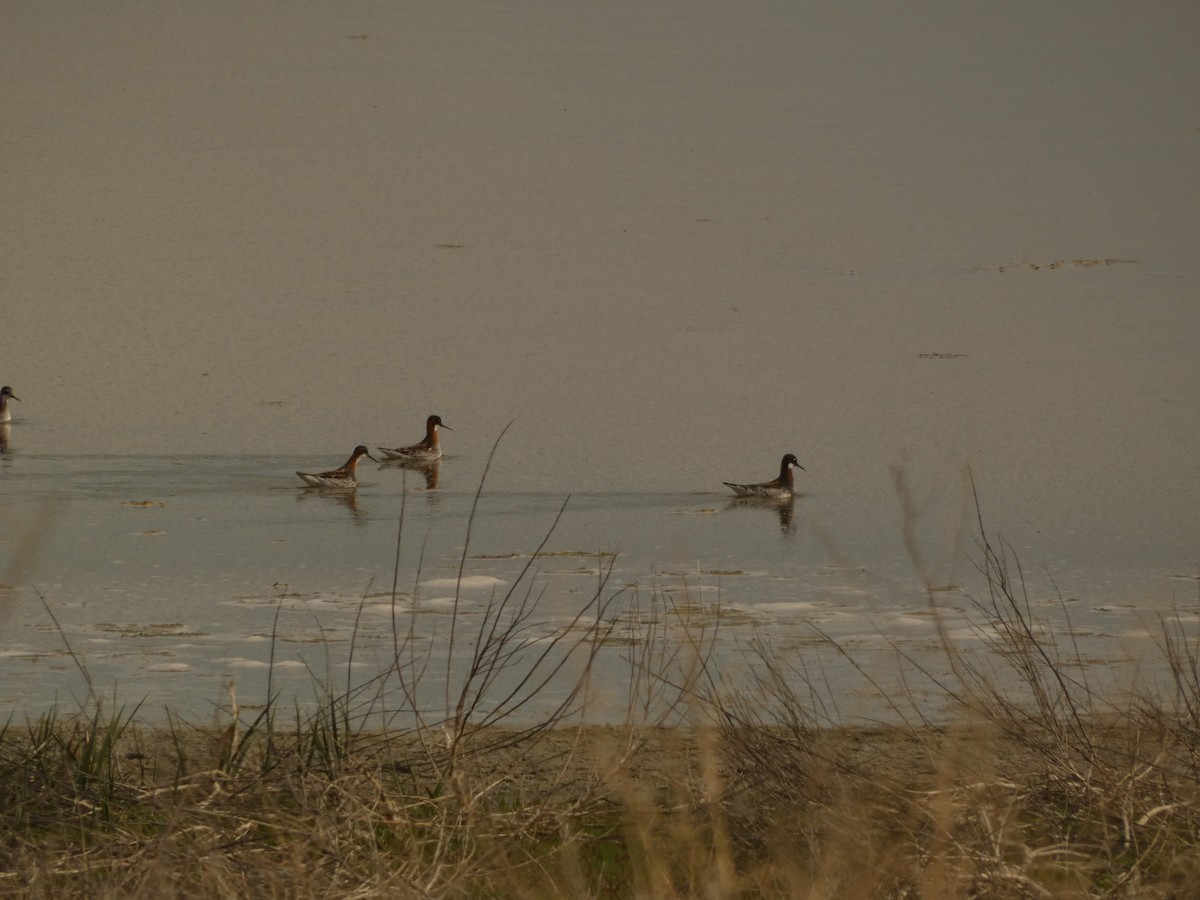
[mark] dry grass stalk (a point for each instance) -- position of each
(1040, 786)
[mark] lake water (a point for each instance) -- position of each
(668, 244)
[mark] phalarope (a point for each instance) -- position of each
(342, 477)
(6, 394)
(427, 450)
(781, 488)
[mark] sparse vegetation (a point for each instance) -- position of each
(1039, 785)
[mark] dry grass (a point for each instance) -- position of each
(1040, 786)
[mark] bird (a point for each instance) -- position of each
(781, 488)
(426, 451)
(5, 395)
(342, 477)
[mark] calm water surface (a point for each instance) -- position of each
(668, 247)
(171, 578)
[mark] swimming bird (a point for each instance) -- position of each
(5, 395)
(343, 477)
(427, 450)
(781, 488)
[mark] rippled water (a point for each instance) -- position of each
(662, 250)
(171, 578)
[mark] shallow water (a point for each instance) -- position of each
(171, 578)
(667, 246)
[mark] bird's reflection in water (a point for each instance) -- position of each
(784, 507)
(5, 437)
(342, 496)
(430, 470)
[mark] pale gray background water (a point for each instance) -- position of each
(669, 242)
